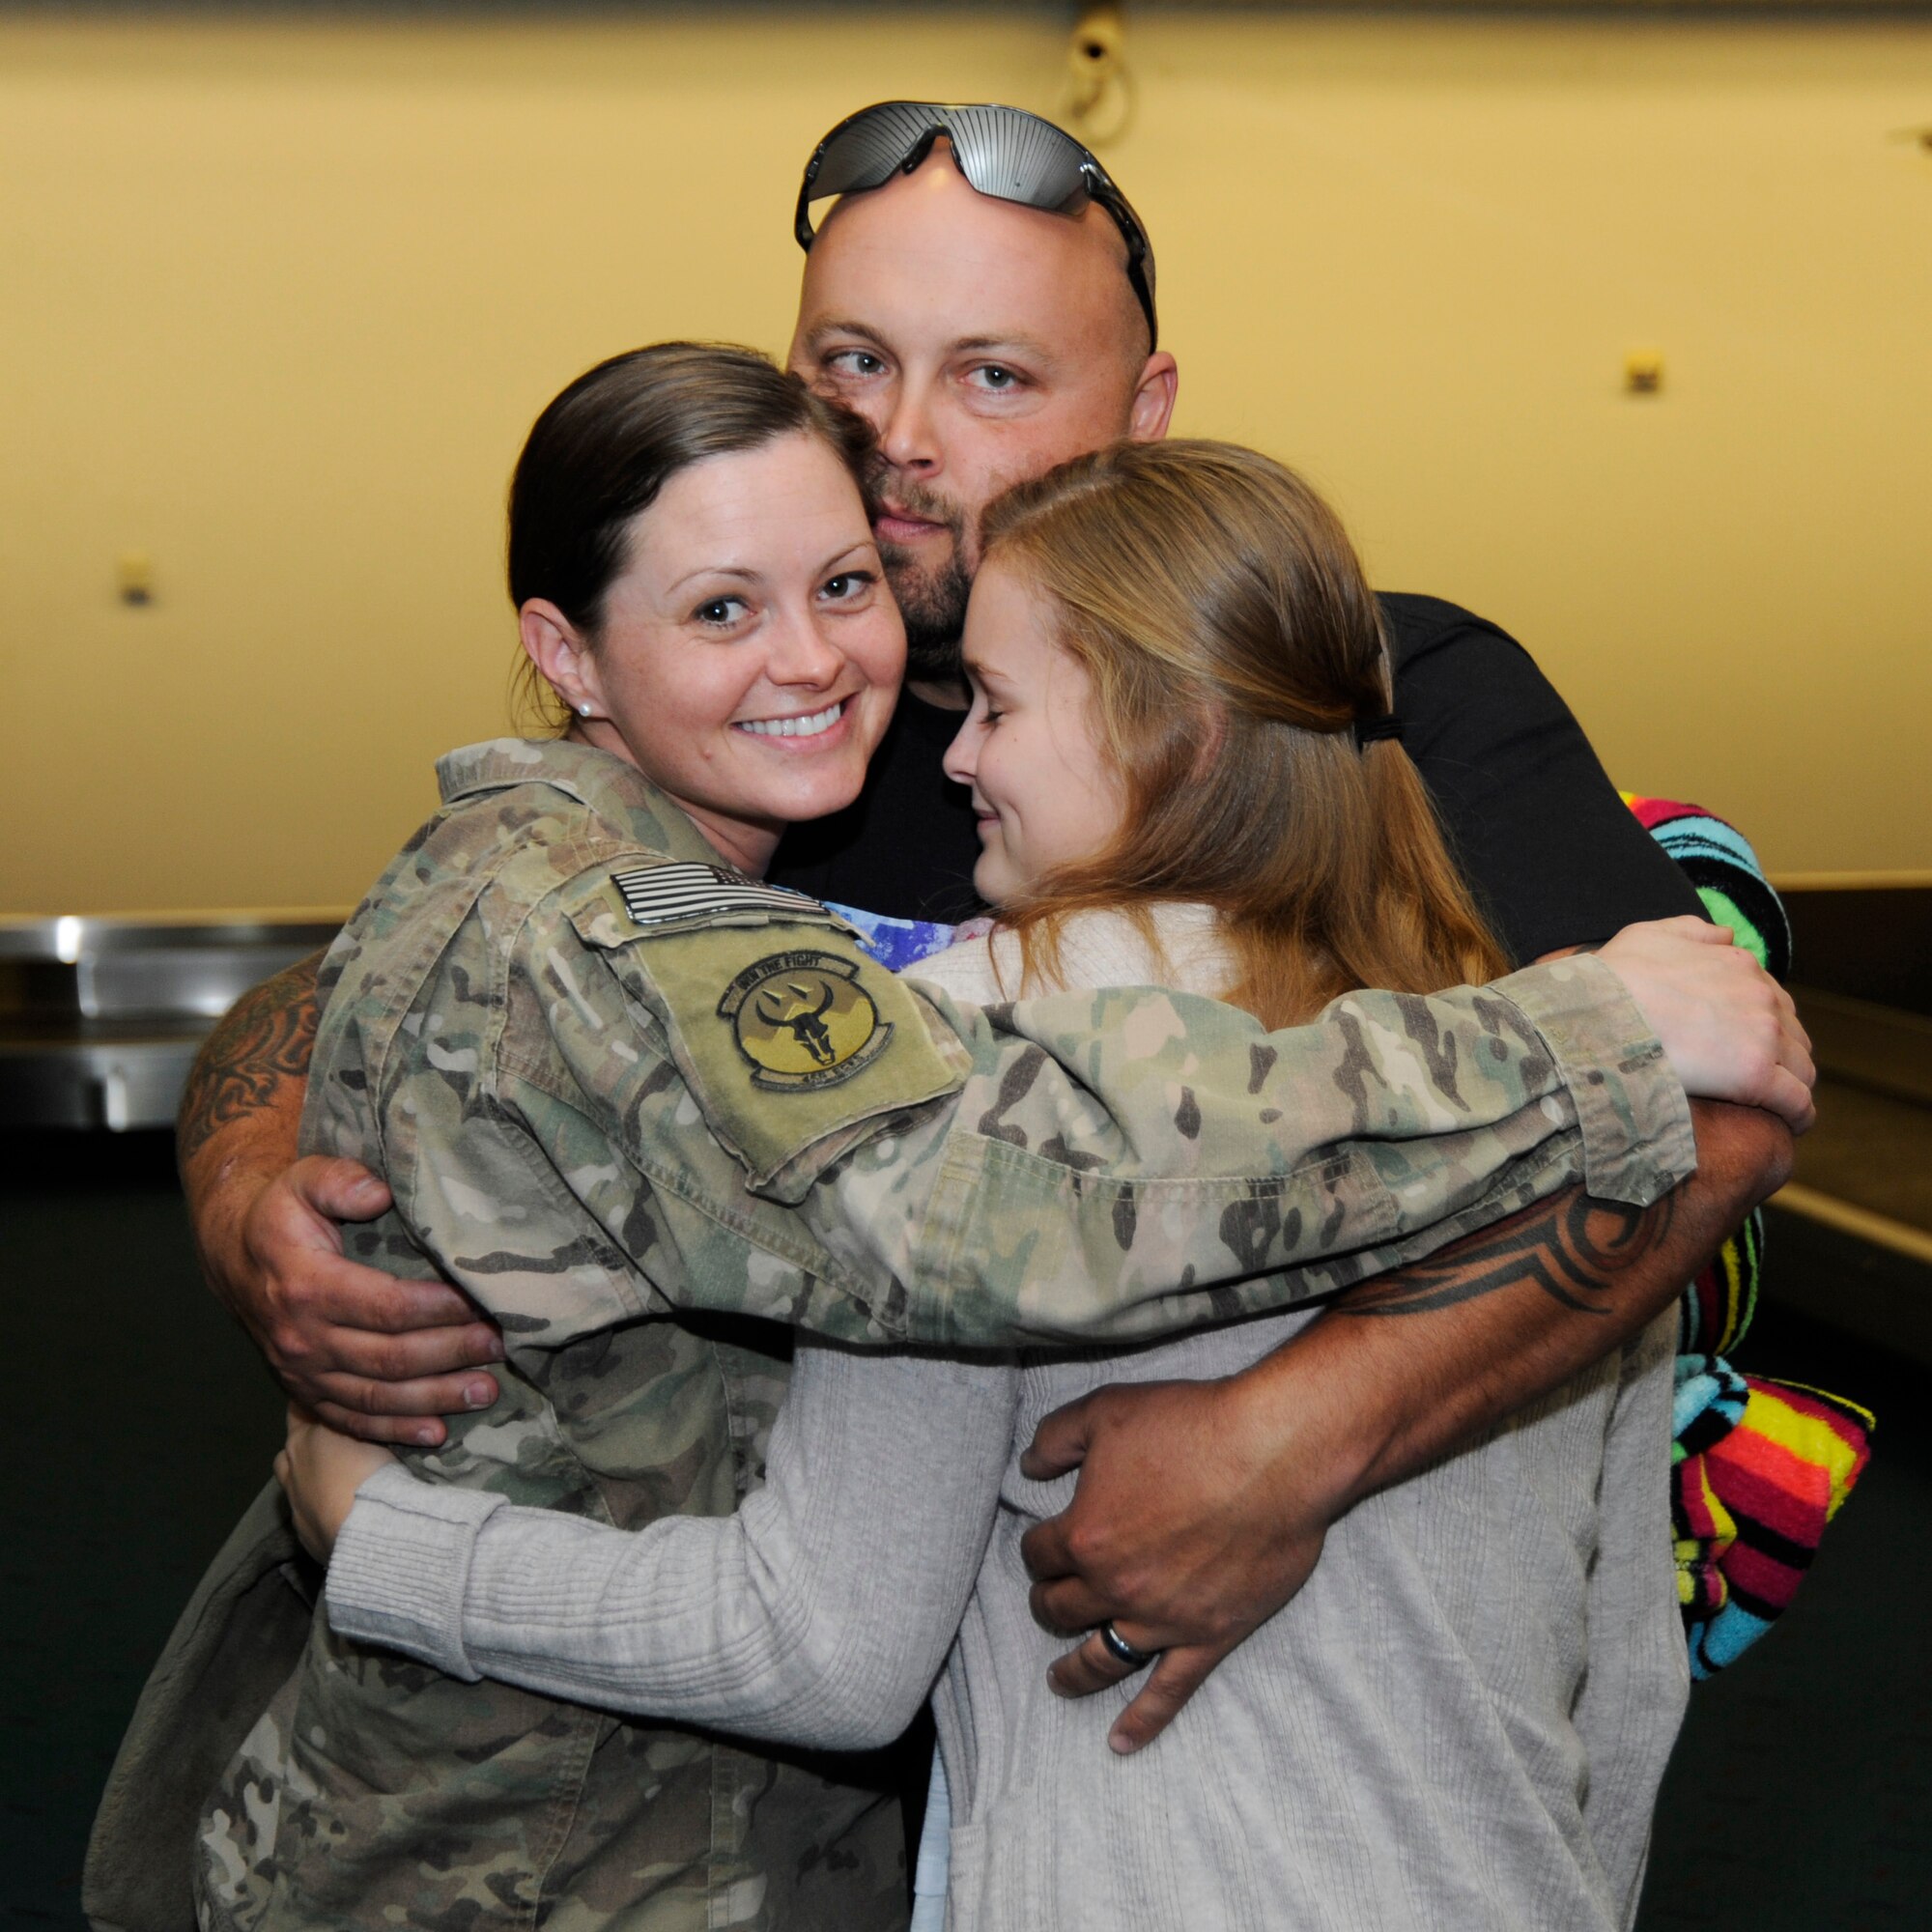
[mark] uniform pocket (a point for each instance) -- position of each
(409, 1797)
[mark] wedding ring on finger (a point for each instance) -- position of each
(1124, 1652)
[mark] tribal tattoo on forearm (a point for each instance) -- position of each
(1574, 1248)
(265, 1039)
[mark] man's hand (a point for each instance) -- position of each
(320, 1470)
(1202, 1507)
(379, 1357)
(369, 1355)
(1730, 1028)
(1176, 1478)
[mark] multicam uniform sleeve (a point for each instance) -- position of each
(1123, 1163)
(1093, 1166)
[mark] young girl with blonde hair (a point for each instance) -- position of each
(1180, 751)
(1213, 616)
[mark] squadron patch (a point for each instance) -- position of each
(803, 1020)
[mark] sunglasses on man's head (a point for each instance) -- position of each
(1003, 151)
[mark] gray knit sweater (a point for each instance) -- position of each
(1460, 1722)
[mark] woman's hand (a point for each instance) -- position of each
(321, 1469)
(1730, 1028)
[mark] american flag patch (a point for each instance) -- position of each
(660, 894)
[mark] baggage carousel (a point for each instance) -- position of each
(100, 1019)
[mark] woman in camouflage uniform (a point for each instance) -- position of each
(610, 1076)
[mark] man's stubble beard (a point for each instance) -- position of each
(932, 598)
(933, 605)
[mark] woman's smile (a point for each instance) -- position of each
(814, 727)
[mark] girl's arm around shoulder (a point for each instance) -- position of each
(819, 1614)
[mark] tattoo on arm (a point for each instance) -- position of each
(1574, 1248)
(265, 1039)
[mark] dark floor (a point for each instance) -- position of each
(1799, 1798)
(1801, 1794)
(140, 1430)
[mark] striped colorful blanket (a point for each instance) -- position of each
(1759, 1466)
(1719, 861)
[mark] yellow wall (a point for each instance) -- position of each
(277, 300)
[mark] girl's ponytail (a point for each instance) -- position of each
(1234, 648)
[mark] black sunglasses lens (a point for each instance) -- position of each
(1000, 152)
(864, 153)
(1013, 156)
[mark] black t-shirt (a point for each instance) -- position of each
(1553, 854)
(907, 845)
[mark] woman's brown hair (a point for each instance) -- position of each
(1234, 646)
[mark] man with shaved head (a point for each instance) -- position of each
(986, 341)
(991, 324)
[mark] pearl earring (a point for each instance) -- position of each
(584, 709)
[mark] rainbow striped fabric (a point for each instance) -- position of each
(1758, 1466)
(1718, 860)
(1717, 1307)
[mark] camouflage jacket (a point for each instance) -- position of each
(611, 1082)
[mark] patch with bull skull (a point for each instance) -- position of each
(803, 1020)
